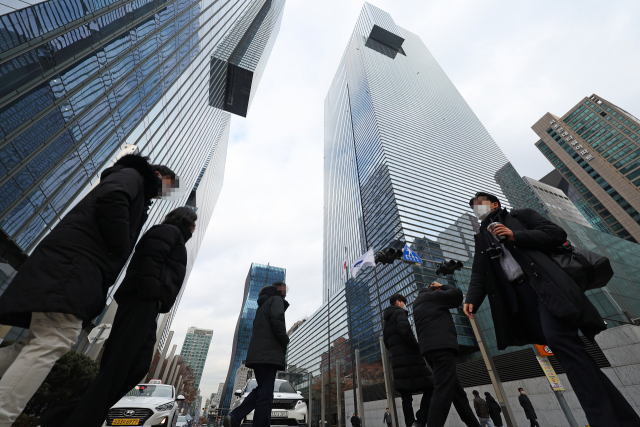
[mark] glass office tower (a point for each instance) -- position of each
(595, 147)
(259, 276)
(82, 78)
(404, 153)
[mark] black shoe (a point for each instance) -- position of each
(417, 424)
(229, 421)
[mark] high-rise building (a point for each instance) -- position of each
(243, 374)
(194, 350)
(259, 276)
(595, 147)
(81, 79)
(215, 397)
(527, 192)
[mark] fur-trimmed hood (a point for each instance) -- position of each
(141, 164)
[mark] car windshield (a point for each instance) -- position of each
(182, 418)
(278, 387)
(144, 390)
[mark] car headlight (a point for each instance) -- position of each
(164, 407)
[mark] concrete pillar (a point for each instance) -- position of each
(174, 380)
(156, 374)
(165, 374)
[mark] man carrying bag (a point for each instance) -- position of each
(535, 301)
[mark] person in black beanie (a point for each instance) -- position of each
(494, 409)
(151, 285)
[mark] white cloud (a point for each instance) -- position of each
(512, 61)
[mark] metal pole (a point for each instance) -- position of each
(388, 384)
(493, 374)
(338, 400)
(322, 407)
(360, 401)
(310, 406)
(102, 328)
(561, 400)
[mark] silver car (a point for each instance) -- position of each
(288, 409)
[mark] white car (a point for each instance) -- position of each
(146, 405)
(288, 409)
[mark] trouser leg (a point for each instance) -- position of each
(461, 403)
(135, 321)
(601, 401)
(534, 423)
(422, 414)
(444, 377)
(50, 336)
(260, 399)
(407, 408)
(9, 353)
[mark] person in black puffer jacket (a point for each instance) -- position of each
(266, 355)
(410, 372)
(152, 283)
(439, 345)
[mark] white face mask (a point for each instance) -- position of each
(481, 211)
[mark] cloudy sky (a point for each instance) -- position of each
(512, 61)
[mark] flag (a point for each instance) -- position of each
(344, 266)
(366, 260)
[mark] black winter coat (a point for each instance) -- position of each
(434, 323)
(527, 406)
(158, 266)
(355, 421)
(410, 371)
(534, 235)
(494, 410)
(269, 339)
(481, 407)
(72, 268)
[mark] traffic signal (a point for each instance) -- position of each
(388, 256)
(449, 267)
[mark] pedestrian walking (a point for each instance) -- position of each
(266, 354)
(494, 409)
(482, 410)
(439, 345)
(410, 371)
(151, 285)
(355, 421)
(534, 301)
(387, 418)
(63, 284)
(528, 408)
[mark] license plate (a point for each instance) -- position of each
(125, 422)
(279, 414)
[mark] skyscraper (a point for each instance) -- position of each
(404, 153)
(595, 147)
(194, 350)
(80, 79)
(259, 276)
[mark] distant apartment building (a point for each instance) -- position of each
(194, 350)
(595, 147)
(243, 375)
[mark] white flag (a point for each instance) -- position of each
(366, 260)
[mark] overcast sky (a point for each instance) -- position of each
(512, 61)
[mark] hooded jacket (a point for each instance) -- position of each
(436, 330)
(72, 268)
(534, 235)
(494, 410)
(269, 339)
(410, 371)
(158, 266)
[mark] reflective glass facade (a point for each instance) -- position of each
(259, 276)
(194, 350)
(595, 147)
(81, 78)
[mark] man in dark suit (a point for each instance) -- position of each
(534, 301)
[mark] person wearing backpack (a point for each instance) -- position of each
(534, 301)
